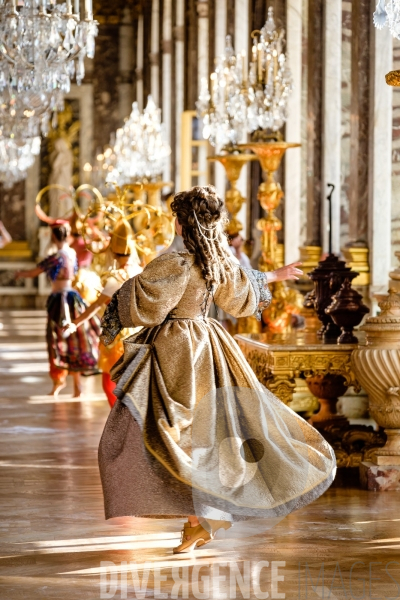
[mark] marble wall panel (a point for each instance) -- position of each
(346, 104)
(105, 85)
(12, 210)
(314, 120)
(304, 96)
(359, 122)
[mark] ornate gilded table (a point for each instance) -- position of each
(278, 359)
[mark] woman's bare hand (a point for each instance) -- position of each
(286, 273)
(70, 328)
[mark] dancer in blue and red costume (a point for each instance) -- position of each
(69, 353)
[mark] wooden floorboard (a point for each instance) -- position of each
(53, 536)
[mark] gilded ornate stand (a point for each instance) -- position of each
(327, 369)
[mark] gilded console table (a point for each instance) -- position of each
(277, 359)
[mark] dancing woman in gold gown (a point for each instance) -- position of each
(193, 432)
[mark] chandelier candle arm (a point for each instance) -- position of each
(244, 67)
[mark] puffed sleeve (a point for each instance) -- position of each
(242, 293)
(147, 298)
(51, 265)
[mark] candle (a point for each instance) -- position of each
(259, 54)
(267, 67)
(213, 78)
(244, 66)
(88, 9)
(254, 53)
(329, 198)
(69, 7)
(14, 5)
(275, 55)
(76, 8)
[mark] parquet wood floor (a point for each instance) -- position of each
(53, 536)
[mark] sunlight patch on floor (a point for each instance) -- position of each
(100, 397)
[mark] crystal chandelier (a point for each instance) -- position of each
(16, 158)
(43, 46)
(388, 14)
(140, 150)
(241, 99)
(270, 80)
(223, 108)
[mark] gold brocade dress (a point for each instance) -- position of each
(113, 279)
(193, 431)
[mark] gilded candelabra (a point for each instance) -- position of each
(286, 301)
(270, 194)
(233, 164)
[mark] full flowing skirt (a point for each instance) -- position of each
(194, 432)
(78, 352)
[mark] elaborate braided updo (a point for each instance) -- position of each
(201, 213)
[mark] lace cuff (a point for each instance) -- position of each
(261, 289)
(110, 323)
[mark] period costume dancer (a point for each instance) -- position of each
(235, 246)
(86, 281)
(193, 432)
(125, 266)
(72, 353)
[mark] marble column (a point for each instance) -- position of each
(125, 65)
(179, 36)
(314, 122)
(220, 36)
(202, 62)
(359, 122)
(155, 55)
(242, 36)
(32, 187)
(292, 186)
(356, 250)
(139, 63)
(332, 126)
(380, 160)
(167, 77)
(220, 26)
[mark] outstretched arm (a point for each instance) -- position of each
(286, 273)
(29, 273)
(88, 313)
(92, 309)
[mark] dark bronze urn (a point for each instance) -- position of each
(328, 277)
(347, 311)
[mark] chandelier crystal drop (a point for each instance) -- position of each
(245, 98)
(16, 158)
(43, 46)
(140, 150)
(387, 14)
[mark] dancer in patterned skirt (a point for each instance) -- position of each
(69, 352)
